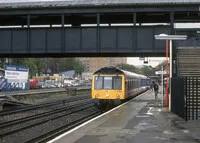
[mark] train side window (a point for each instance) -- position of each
(135, 83)
(131, 83)
(128, 83)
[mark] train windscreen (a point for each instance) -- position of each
(108, 82)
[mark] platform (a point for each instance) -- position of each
(141, 120)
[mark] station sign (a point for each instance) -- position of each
(16, 74)
(141, 58)
(160, 72)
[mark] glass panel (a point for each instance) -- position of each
(117, 82)
(98, 82)
(107, 82)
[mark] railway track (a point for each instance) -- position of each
(51, 134)
(43, 127)
(43, 105)
(48, 122)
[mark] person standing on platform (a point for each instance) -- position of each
(156, 88)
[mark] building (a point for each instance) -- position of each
(94, 64)
(70, 73)
(87, 75)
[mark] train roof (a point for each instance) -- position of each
(109, 70)
(114, 70)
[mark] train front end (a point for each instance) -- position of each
(108, 87)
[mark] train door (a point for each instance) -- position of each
(126, 86)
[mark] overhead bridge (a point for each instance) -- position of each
(82, 41)
(91, 28)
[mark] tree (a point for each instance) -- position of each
(40, 65)
(34, 65)
(147, 71)
(2, 62)
(130, 68)
(78, 66)
(31, 64)
(17, 61)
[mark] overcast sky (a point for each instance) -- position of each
(152, 61)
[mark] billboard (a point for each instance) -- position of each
(16, 74)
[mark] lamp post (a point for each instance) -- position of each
(170, 38)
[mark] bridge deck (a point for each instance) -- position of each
(94, 3)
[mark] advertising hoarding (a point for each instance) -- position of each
(16, 74)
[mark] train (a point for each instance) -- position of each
(111, 85)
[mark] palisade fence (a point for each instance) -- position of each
(186, 97)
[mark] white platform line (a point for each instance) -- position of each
(87, 122)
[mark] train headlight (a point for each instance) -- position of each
(97, 95)
(117, 96)
(107, 95)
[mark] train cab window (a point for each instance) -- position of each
(117, 82)
(98, 82)
(107, 82)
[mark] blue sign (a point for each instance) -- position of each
(16, 68)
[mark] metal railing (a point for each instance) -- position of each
(185, 97)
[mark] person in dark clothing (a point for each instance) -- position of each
(156, 88)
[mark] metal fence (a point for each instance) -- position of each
(192, 105)
(177, 98)
(185, 97)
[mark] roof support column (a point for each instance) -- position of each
(98, 33)
(63, 34)
(134, 47)
(28, 22)
(174, 50)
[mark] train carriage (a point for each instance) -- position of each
(112, 84)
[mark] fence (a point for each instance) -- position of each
(177, 98)
(192, 90)
(185, 97)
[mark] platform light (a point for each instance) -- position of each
(170, 38)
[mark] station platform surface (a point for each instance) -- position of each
(141, 120)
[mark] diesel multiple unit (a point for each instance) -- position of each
(110, 84)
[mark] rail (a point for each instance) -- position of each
(44, 105)
(67, 114)
(42, 91)
(44, 126)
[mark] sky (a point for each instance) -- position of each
(152, 61)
